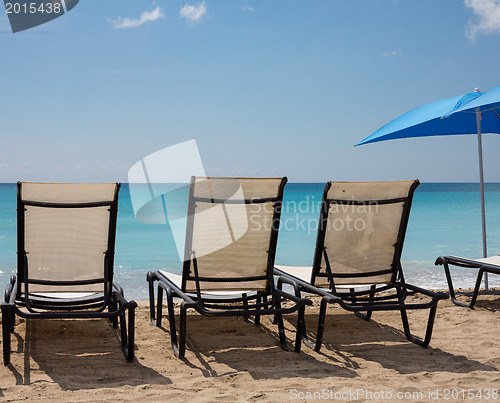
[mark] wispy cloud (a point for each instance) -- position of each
(146, 16)
(247, 8)
(392, 53)
(487, 18)
(194, 13)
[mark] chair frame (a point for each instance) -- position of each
(363, 303)
(257, 303)
(46, 307)
(445, 261)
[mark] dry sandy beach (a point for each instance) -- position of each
(231, 360)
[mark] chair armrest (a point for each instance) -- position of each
(118, 288)
(9, 296)
(305, 286)
(168, 285)
(293, 298)
(436, 295)
(459, 261)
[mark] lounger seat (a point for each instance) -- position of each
(65, 250)
(356, 262)
(304, 273)
(231, 236)
(177, 280)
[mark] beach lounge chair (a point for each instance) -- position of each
(230, 245)
(65, 250)
(487, 265)
(356, 263)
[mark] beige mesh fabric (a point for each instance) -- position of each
(361, 238)
(65, 244)
(369, 190)
(251, 188)
(230, 239)
(493, 260)
(67, 192)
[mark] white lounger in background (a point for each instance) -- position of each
(485, 265)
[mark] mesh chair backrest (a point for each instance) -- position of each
(66, 230)
(232, 231)
(363, 228)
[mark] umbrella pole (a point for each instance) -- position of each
(481, 184)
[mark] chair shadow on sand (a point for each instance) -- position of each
(244, 347)
(255, 350)
(492, 305)
(387, 345)
(75, 355)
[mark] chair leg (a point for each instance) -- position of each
(151, 298)
(406, 325)
(257, 317)
(321, 325)
(278, 320)
(178, 345)
(6, 330)
(113, 307)
(128, 338)
(430, 326)
(123, 333)
(368, 315)
(452, 289)
(301, 323)
(182, 331)
(245, 306)
(131, 333)
(300, 329)
(275, 318)
(159, 307)
(305, 339)
(476, 288)
(428, 332)
(12, 321)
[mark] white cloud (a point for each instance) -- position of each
(146, 16)
(392, 53)
(487, 17)
(194, 13)
(248, 8)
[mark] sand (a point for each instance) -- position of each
(230, 360)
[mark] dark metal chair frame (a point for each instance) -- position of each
(364, 302)
(43, 307)
(266, 302)
(470, 264)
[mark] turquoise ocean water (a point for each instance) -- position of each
(445, 219)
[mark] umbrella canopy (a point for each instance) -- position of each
(442, 118)
(471, 113)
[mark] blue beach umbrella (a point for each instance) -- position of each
(471, 113)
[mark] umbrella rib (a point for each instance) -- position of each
(494, 111)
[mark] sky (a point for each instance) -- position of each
(267, 88)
